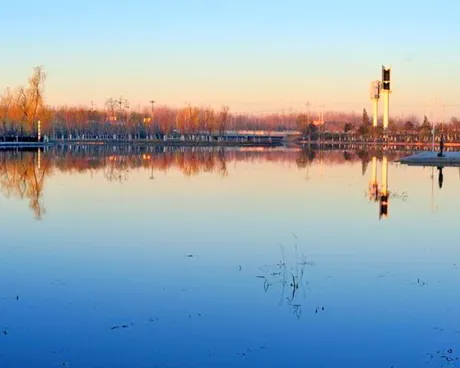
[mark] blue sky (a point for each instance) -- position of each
(252, 55)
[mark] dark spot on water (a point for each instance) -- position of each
(17, 297)
(120, 326)
(5, 332)
(421, 282)
(190, 256)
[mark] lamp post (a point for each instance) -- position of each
(152, 102)
(146, 124)
(39, 131)
(308, 122)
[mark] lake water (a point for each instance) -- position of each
(128, 257)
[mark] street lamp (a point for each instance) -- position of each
(39, 130)
(152, 102)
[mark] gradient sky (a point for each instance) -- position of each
(252, 55)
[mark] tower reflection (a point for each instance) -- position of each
(373, 183)
(440, 177)
(377, 193)
(384, 193)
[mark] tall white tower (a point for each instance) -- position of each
(386, 95)
(375, 97)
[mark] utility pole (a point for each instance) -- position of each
(321, 121)
(152, 102)
(375, 96)
(39, 130)
(443, 117)
(308, 115)
(308, 111)
(435, 102)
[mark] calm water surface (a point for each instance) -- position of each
(117, 257)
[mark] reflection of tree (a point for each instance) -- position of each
(347, 156)
(116, 169)
(365, 159)
(35, 187)
(305, 158)
(21, 177)
(222, 168)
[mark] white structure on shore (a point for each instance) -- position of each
(386, 90)
(375, 97)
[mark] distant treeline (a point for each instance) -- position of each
(22, 108)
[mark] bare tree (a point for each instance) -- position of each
(30, 99)
(6, 103)
(223, 118)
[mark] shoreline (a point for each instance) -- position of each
(24, 144)
(365, 143)
(156, 143)
(171, 143)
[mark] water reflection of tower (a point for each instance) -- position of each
(377, 193)
(384, 193)
(373, 184)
